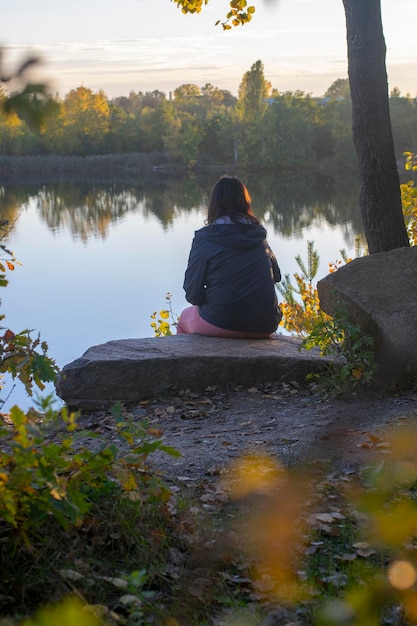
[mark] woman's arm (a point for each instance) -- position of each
(274, 263)
(194, 281)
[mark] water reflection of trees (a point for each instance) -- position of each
(293, 203)
(12, 201)
(84, 209)
(169, 197)
(288, 204)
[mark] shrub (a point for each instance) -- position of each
(335, 336)
(44, 471)
(409, 200)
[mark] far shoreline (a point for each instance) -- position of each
(124, 167)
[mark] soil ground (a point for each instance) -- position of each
(292, 423)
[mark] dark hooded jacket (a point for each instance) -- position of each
(230, 277)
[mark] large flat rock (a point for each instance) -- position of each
(130, 370)
(379, 293)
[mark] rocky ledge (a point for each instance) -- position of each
(130, 370)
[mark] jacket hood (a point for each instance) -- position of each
(236, 236)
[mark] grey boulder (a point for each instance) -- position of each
(379, 292)
(130, 370)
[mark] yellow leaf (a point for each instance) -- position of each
(254, 473)
(126, 478)
(394, 525)
(57, 492)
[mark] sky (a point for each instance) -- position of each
(121, 46)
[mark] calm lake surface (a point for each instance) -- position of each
(98, 259)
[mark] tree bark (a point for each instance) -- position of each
(380, 197)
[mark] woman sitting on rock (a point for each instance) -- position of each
(232, 271)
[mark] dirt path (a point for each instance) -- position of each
(293, 424)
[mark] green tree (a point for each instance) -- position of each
(187, 98)
(251, 108)
(153, 99)
(253, 92)
(289, 131)
(132, 104)
(155, 123)
(52, 130)
(404, 123)
(183, 138)
(336, 114)
(219, 135)
(395, 92)
(138, 122)
(339, 89)
(211, 96)
(124, 132)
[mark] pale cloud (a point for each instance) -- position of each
(148, 44)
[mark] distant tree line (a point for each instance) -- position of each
(261, 127)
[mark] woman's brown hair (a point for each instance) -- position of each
(229, 197)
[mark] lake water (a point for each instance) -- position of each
(98, 259)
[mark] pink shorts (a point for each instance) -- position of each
(190, 322)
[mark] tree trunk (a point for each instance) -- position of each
(380, 197)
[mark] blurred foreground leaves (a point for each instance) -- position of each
(29, 99)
